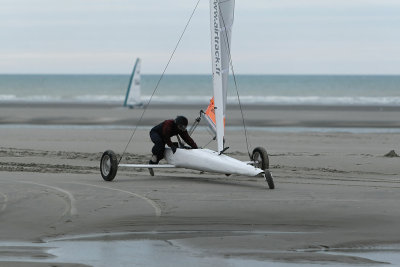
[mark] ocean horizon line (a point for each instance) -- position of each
(206, 74)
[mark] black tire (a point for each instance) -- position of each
(108, 165)
(269, 179)
(260, 158)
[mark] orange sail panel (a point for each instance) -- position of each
(210, 112)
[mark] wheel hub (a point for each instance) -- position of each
(106, 165)
(257, 160)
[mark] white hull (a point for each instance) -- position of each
(209, 161)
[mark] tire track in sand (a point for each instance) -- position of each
(71, 204)
(157, 208)
(4, 206)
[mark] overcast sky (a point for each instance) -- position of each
(269, 36)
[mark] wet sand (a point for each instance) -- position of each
(258, 116)
(333, 190)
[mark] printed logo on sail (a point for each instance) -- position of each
(217, 54)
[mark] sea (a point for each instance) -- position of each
(379, 90)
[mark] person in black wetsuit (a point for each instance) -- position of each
(161, 134)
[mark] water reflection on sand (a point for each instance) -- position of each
(89, 250)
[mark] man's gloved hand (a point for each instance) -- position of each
(173, 149)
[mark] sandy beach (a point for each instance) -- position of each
(335, 190)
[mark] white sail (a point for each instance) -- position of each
(221, 21)
(132, 97)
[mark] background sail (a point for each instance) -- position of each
(132, 97)
(221, 20)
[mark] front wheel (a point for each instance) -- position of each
(108, 165)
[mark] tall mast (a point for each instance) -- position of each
(217, 71)
(221, 21)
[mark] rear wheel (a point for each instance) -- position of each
(269, 179)
(260, 158)
(261, 161)
(108, 165)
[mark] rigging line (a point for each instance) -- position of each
(208, 143)
(159, 80)
(236, 86)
